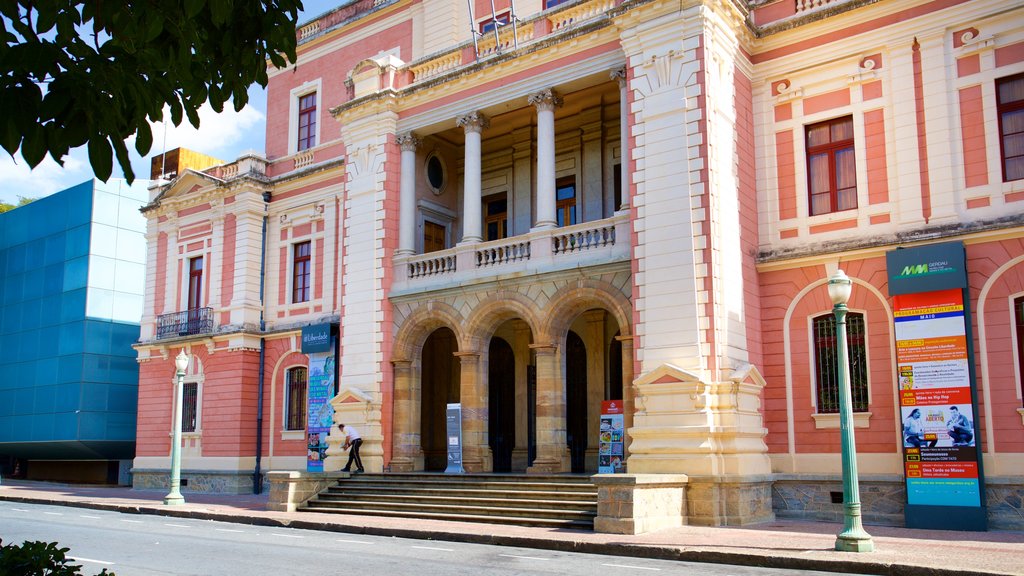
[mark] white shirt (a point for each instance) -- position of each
(351, 433)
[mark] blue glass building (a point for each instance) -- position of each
(72, 274)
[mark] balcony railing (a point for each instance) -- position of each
(185, 323)
(538, 251)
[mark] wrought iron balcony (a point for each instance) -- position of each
(185, 323)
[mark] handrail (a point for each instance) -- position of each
(184, 323)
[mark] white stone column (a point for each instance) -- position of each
(546, 101)
(620, 76)
(407, 195)
(473, 123)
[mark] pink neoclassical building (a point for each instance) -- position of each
(533, 210)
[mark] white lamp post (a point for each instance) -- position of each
(853, 538)
(174, 497)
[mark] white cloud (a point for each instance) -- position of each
(222, 135)
(17, 179)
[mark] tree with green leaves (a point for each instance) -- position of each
(22, 200)
(77, 72)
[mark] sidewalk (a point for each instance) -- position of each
(780, 544)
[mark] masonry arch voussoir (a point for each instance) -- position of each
(492, 311)
(420, 324)
(571, 301)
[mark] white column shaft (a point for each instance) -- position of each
(471, 227)
(546, 204)
(623, 145)
(407, 204)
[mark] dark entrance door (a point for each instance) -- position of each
(531, 414)
(501, 425)
(439, 385)
(576, 401)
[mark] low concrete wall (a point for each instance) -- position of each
(638, 503)
(291, 489)
(202, 481)
(729, 500)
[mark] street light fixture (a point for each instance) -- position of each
(174, 497)
(853, 538)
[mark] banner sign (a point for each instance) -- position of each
(317, 338)
(454, 433)
(926, 268)
(935, 380)
(320, 389)
(613, 438)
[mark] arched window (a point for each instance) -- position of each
(295, 398)
(1018, 322)
(826, 354)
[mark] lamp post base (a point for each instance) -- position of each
(174, 499)
(855, 543)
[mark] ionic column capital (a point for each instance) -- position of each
(545, 100)
(408, 142)
(473, 122)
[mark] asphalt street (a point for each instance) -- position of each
(142, 545)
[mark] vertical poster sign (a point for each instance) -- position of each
(318, 344)
(454, 435)
(613, 438)
(936, 388)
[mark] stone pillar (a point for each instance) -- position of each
(552, 451)
(408, 455)
(407, 196)
(628, 392)
(546, 101)
(620, 76)
(474, 124)
(593, 339)
(476, 451)
(521, 349)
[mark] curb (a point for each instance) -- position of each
(658, 552)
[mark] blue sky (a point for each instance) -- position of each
(225, 136)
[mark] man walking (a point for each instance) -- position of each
(352, 441)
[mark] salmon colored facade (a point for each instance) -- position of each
(605, 200)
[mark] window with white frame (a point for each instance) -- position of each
(1018, 324)
(1010, 109)
(301, 271)
(303, 116)
(295, 398)
(190, 407)
(826, 362)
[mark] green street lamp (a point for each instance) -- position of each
(853, 538)
(174, 497)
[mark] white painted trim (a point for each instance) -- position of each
(284, 404)
(293, 113)
(986, 390)
(831, 421)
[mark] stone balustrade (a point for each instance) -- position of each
(303, 159)
(506, 41)
(587, 244)
(436, 66)
(309, 30)
(806, 6)
(579, 13)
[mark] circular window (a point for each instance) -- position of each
(435, 173)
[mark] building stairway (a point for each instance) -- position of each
(558, 501)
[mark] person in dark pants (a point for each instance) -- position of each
(352, 443)
(960, 430)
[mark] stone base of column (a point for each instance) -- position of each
(550, 461)
(726, 501)
(291, 489)
(520, 459)
(639, 503)
(407, 463)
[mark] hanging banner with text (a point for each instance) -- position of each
(935, 379)
(613, 438)
(318, 343)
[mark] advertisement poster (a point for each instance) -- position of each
(613, 438)
(940, 452)
(454, 431)
(319, 413)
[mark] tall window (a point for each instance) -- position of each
(565, 197)
(1010, 108)
(1018, 321)
(307, 121)
(189, 406)
(300, 272)
(496, 217)
(826, 355)
(295, 399)
(831, 170)
(195, 282)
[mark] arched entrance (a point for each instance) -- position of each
(501, 379)
(439, 381)
(576, 401)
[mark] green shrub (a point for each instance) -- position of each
(38, 559)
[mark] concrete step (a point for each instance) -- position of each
(577, 524)
(522, 501)
(527, 500)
